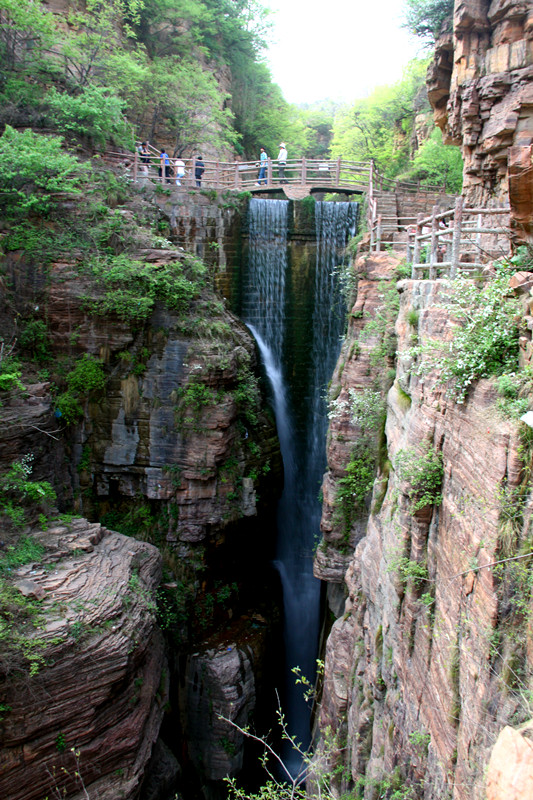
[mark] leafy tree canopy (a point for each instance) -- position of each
(436, 163)
(32, 168)
(427, 18)
(381, 126)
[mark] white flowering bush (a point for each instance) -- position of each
(485, 337)
(367, 408)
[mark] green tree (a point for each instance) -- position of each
(427, 18)
(94, 112)
(32, 168)
(93, 35)
(437, 163)
(381, 126)
(188, 106)
(26, 30)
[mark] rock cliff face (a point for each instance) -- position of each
(428, 661)
(91, 713)
(481, 87)
(173, 450)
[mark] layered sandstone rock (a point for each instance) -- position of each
(91, 713)
(421, 673)
(355, 370)
(481, 87)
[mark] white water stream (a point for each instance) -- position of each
(300, 411)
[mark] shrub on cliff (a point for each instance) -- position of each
(485, 335)
(32, 169)
(20, 496)
(87, 376)
(437, 163)
(367, 409)
(94, 113)
(423, 472)
(131, 287)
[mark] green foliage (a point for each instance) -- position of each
(32, 168)
(381, 326)
(25, 33)
(194, 398)
(353, 488)
(427, 18)
(33, 339)
(68, 408)
(485, 339)
(20, 648)
(514, 392)
(23, 552)
(409, 570)
(19, 495)
(132, 287)
(86, 377)
(246, 394)
(381, 125)
(94, 113)
(136, 520)
(423, 472)
(412, 317)
(10, 373)
(191, 106)
(438, 164)
(367, 411)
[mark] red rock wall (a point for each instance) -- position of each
(418, 693)
(99, 691)
(481, 87)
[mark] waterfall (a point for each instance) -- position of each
(298, 377)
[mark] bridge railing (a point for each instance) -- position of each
(245, 175)
(461, 239)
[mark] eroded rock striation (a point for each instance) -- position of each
(91, 711)
(421, 664)
(174, 447)
(480, 85)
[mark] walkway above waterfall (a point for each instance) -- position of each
(297, 178)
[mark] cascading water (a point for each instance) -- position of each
(298, 378)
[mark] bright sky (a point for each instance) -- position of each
(340, 49)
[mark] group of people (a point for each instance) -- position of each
(170, 168)
(174, 168)
(282, 162)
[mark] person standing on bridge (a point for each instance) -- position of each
(282, 160)
(263, 167)
(164, 168)
(179, 170)
(144, 154)
(199, 169)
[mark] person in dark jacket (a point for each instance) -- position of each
(199, 169)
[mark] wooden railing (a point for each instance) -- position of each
(350, 176)
(327, 174)
(381, 226)
(244, 175)
(462, 239)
